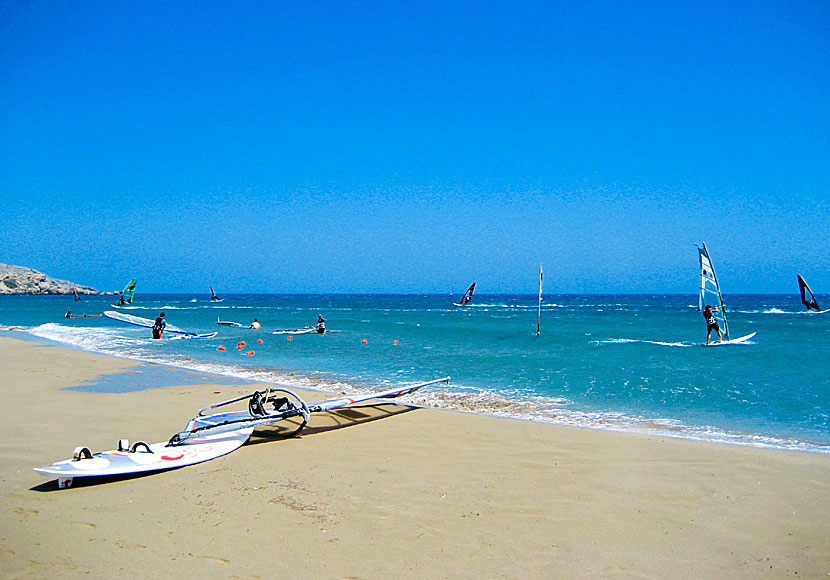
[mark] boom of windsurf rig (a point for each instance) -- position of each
(273, 405)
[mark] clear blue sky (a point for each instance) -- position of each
(416, 147)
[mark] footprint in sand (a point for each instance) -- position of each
(84, 524)
(210, 558)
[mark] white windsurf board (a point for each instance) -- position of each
(144, 458)
(732, 341)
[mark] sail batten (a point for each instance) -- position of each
(710, 293)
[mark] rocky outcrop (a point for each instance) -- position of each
(20, 280)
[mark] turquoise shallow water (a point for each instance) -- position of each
(630, 362)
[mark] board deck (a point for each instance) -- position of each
(733, 341)
(185, 336)
(304, 330)
(160, 457)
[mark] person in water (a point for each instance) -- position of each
(711, 323)
(255, 324)
(68, 312)
(159, 326)
(321, 324)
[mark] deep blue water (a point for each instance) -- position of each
(625, 362)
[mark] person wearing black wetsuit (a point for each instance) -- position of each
(711, 323)
(159, 326)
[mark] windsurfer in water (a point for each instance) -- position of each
(711, 323)
(321, 324)
(159, 326)
(255, 324)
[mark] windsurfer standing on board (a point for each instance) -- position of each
(321, 324)
(711, 323)
(158, 327)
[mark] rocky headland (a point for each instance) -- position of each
(22, 280)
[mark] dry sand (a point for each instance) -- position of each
(388, 491)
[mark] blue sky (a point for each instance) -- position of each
(416, 147)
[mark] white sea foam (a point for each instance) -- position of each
(633, 340)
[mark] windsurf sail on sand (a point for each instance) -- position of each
(213, 295)
(805, 289)
(468, 295)
(710, 290)
(285, 404)
(127, 294)
(145, 322)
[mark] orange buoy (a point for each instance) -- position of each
(394, 342)
(242, 342)
(249, 353)
(220, 348)
(290, 338)
(260, 341)
(238, 347)
(363, 341)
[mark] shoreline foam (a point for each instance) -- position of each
(536, 409)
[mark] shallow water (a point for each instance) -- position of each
(630, 362)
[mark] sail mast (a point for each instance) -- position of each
(539, 310)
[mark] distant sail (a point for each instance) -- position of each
(710, 290)
(75, 292)
(213, 295)
(468, 295)
(127, 294)
(802, 286)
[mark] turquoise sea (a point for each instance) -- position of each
(621, 362)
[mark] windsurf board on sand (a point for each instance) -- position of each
(143, 458)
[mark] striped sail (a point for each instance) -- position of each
(710, 290)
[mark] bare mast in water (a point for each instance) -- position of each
(539, 310)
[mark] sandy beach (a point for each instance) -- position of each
(388, 491)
